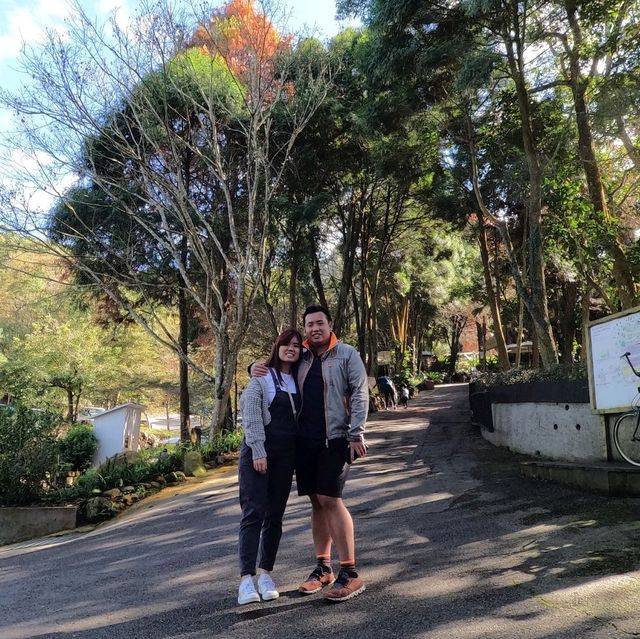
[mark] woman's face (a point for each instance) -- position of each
(290, 352)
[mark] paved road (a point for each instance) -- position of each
(452, 544)
(157, 420)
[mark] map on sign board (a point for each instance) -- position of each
(612, 384)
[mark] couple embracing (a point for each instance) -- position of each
(304, 411)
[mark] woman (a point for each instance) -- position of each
(270, 406)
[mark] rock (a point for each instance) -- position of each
(114, 493)
(225, 458)
(97, 508)
(123, 458)
(159, 479)
(128, 489)
(155, 484)
(172, 478)
(148, 440)
(193, 465)
(180, 475)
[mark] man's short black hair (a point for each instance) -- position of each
(316, 308)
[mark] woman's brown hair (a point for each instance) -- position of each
(283, 339)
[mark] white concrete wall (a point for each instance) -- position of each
(117, 430)
(564, 432)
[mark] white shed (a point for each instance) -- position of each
(117, 430)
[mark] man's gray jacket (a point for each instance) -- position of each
(346, 389)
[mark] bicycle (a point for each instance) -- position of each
(626, 430)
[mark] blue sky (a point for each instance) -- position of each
(24, 21)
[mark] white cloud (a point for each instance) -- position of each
(119, 8)
(52, 9)
(21, 27)
(30, 162)
(27, 25)
(36, 187)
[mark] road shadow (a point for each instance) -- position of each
(452, 542)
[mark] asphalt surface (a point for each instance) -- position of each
(451, 542)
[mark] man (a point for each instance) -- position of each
(335, 401)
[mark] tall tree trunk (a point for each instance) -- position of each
(225, 363)
(458, 323)
(359, 322)
(520, 333)
(567, 313)
(351, 238)
(317, 277)
(482, 343)
(372, 345)
(535, 350)
(501, 344)
(536, 301)
(585, 307)
(185, 408)
(266, 297)
(70, 417)
(293, 291)
(632, 150)
(534, 298)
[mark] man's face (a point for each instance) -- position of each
(317, 329)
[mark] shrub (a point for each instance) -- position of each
(28, 454)
(78, 447)
(222, 443)
(523, 375)
(174, 460)
(403, 378)
(89, 481)
(434, 376)
(117, 472)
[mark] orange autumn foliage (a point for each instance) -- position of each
(244, 38)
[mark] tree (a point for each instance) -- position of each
(447, 47)
(55, 341)
(592, 34)
(202, 127)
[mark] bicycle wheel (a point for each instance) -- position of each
(626, 437)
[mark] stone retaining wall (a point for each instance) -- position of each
(18, 524)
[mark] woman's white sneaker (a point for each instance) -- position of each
(267, 588)
(247, 592)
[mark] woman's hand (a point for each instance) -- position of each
(260, 465)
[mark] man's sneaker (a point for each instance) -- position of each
(344, 587)
(267, 588)
(316, 581)
(247, 592)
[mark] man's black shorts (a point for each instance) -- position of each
(322, 469)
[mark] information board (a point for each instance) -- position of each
(612, 384)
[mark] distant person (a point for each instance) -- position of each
(387, 390)
(270, 407)
(404, 395)
(164, 454)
